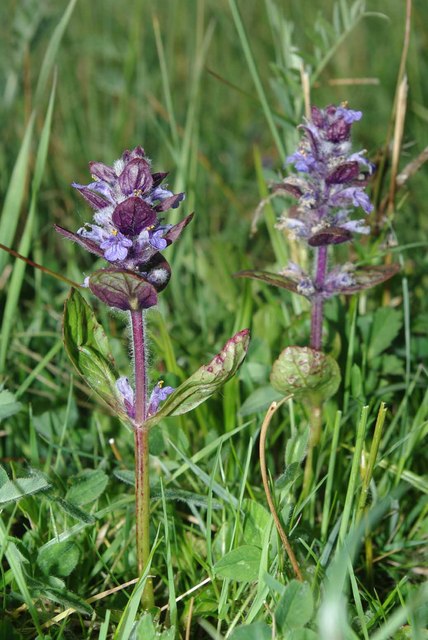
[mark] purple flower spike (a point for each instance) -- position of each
(126, 229)
(159, 394)
(331, 180)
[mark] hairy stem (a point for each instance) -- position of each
(317, 307)
(141, 434)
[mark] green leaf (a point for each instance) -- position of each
(241, 564)
(306, 373)
(50, 57)
(181, 495)
(206, 380)
(59, 559)
(291, 473)
(386, 326)
(60, 594)
(189, 497)
(125, 475)
(256, 520)
(14, 490)
(302, 634)
(295, 607)
(87, 347)
(356, 381)
(15, 192)
(8, 405)
(259, 400)
(144, 629)
(72, 510)
(3, 476)
(87, 486)
(254, 631)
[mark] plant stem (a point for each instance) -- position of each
(315, 421)
(142, 474)
(262, 455)
(317, 308)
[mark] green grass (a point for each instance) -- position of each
(213, 92)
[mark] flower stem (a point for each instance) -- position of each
(142, 475)
(317, 308)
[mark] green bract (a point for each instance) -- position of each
(306, 373)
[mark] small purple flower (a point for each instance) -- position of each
(348, 115)
(158, 395)
(157, 240)
(116, 246)
(302, 161)
(337, 279)
(127, 393)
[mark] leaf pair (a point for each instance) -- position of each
(88, 349)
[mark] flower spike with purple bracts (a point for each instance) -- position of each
(127, 199)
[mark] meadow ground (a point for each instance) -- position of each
(214, 92)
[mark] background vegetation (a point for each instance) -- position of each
(213, 91)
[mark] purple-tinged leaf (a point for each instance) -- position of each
(157, 272)
(274, 279)
(125, 290)
(306, 373)
(159, 177)
(87, 244)
(346, 172)
(95, 199)
(133, 215)
(206, 380)
(175, 231)
(102, 172)
(171, 202)
(136, 176)
(367, 277)
(288, 186)
(330, 235)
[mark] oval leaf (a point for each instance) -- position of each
(274, 279)
(59, 559)
(306, 373)
(14, 490)
(331, 235)
(206, 380)
(295, 607)
(87, 347)
(367, 277)
(241, 564)
(87, 486)
(123, 290)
